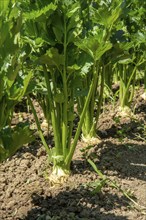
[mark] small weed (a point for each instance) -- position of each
(98, 185)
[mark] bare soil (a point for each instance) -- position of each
(25, 193)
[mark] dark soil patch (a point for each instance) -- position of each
(25, 193)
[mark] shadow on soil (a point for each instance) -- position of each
(33, 148)
(125, 160)
(79, 203)
(121, 127)
(131, 130)
(122, 160)
(141, 108)
(76, 204)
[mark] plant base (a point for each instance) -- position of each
(90, 140)
(58, 176)
(124, 111)
(144, 95)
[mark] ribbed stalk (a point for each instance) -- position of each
(73, 146)
(126, 88)
(38, 125)
(64, 116)
(58, 149)
(100, 99)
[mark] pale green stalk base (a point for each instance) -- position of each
(124, 112)
(58, 176)
(144, 95)
(91, 140)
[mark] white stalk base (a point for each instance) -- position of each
(58, 176)
(91, 140)
(144, 95)
(124, 112)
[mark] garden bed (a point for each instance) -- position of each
(25, 192)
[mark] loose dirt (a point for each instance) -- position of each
(25, 193)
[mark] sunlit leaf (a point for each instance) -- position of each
(12, 139)
(36, 14)
(4, 5)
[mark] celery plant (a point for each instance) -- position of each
(133, 51)
(102, 19)
(54, 57)
(144, 94)
(13, 79)
(58, 37)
